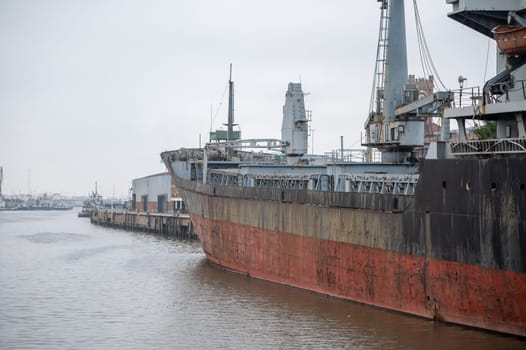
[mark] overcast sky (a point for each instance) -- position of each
(95, 90)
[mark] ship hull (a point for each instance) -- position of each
(371, 276)
(392, 252)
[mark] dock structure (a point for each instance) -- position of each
(171, 225)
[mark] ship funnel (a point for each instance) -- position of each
(294, 129)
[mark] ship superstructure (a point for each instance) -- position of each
(442, 237)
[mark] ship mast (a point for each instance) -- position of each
(230, 124)
(395, 75)
(229, 135)
(390, 80)
(391, 60)
(395, 125)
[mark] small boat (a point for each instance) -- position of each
(510, 39)
(45, 206)
(89, 205)
(85, 212)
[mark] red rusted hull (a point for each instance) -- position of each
(451, 292)
(450, 252)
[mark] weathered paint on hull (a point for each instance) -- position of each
(452, 292)
(454, 251)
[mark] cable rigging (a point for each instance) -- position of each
(218, 107)
(426, 60)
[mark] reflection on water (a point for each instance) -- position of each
(68, 284)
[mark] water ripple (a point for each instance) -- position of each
(87, 253)
(55, 237)
(102, 288)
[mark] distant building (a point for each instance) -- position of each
(424, 86)
(155, 193)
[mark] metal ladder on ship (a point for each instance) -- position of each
(377, 94)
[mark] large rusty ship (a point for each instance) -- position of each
(440, 234)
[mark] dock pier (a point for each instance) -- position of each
(172, 225)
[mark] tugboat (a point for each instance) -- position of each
(92, 203)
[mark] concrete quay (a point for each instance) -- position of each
(171, 225)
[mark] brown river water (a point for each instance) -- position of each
(68, 284)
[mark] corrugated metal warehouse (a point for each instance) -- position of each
(154, 193)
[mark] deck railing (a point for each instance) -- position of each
(501, 146)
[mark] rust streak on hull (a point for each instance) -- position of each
(458, 293)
